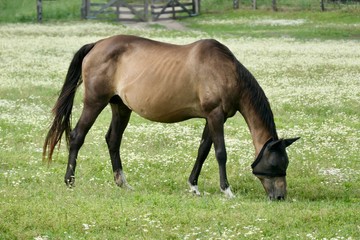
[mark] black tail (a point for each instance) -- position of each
(64, 104)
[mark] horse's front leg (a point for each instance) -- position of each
(120, 119)
(205, 146)
(216, 122)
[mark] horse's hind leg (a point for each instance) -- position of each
(77, 137)
(120, 118)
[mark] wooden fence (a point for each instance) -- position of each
(275, 5)
(39, 9)
(139, 10)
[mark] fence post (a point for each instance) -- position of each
(146, 10)
(236, 4)
(322, 5)
(83, 9)
(117, 10)
(39, 10)
(196, 7)
(274, 7)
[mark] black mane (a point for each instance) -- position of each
(257, 98)
(251, 90)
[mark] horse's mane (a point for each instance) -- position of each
(256, 97)
(251, 90)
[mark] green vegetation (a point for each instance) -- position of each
(25, 10)
(310, 75)
(293, 24)
(219, 19)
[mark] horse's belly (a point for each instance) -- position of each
(164, 89)
(177, 115)
(161, 105)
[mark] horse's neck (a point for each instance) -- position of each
(255, 108)
(261, 125)
(259, 133)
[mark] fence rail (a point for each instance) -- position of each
(276, 5)
(139, 10)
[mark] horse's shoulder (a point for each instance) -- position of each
(212, 48)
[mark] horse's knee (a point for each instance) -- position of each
(113, 145)
(221, 156)
(113, 142)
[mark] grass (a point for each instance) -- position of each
(25, 11)
(314, 91)
(295, 19)
(311, 80)
(288, 24)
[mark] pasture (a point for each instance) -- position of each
(314, 89)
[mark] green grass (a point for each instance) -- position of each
(25, 11)
(314, 90)
(217, 18)
(288, 24)
(310, 77)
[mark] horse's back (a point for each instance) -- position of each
(160, 81)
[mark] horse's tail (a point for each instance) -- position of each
(64, 104)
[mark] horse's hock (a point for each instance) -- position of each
(139, 10)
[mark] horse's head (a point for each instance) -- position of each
(270, 167)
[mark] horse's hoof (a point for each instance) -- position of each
(128, 187)
(70, 182)
(120, 180)
(228, 193)
(194, 189)
(124, 185)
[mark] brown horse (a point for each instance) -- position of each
(168, 83)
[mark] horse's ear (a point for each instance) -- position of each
(290, 141)
(275, 145)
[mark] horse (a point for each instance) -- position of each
(168, 83)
